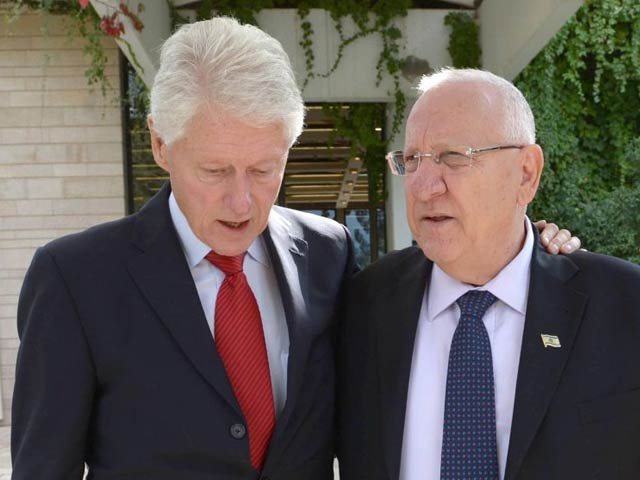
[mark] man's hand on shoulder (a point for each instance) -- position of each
(556, 240)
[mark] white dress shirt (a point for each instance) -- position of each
(261, 277)
(504, 321)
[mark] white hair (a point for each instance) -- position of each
(518, 122)
(221, 64)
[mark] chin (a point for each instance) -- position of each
(232, 249)
(437, 251)
(228, 243)
(226, 247)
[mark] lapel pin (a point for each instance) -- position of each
(550, 341)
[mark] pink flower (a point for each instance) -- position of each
(111, 25)
(83, 3)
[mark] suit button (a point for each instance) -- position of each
(237, 431)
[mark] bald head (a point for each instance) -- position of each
(495, 98)
(478, 108)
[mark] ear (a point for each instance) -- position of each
(158, 147)
(532, 163)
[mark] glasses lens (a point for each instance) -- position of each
(454, 159)
(396, 162)
(411, 162)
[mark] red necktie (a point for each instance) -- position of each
(240, 342)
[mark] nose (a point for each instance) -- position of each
(426, 182)
(238, 194)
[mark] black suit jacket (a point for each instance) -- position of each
(577, 408)
(117, 366)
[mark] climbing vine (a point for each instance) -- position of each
(584, 89)
(83, 22)
(361, 124)
(369, 18)
(464, 40)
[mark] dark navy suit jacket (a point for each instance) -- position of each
(117, 366)
(577, 407)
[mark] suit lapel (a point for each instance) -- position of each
(554, 309)
(396, 324)
(163, 277)
(288, 253)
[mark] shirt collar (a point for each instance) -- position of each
(510, 285)
(195, 250)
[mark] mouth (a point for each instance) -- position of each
(437, 218)
(234, 225)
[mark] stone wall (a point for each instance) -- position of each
(61, 164)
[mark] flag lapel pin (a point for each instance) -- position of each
(550, 341)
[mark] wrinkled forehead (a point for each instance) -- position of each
(459, 113)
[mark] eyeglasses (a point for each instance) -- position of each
(456, 159)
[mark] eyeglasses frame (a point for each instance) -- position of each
(470, 153)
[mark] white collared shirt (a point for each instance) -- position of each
(262, 280)
(504, 321)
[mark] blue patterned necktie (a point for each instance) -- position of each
(469, 435)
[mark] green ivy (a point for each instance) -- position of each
(372, 17)
(175, 17)
(464, 44)
(356, 124)
(87, 25)
(81, 22)
(584, 89)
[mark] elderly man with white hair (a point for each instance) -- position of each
(193, 339)
(478, 355)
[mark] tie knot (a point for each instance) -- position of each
(229, 265)
(475, 303)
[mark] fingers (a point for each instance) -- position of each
(540, 224)
(548, 233)
(556, 240)
(571, 246)
(561, 239)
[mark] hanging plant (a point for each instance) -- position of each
(362, 124)
(85, 23)
(584, 90)
(356, 123)
(373, 17)
(464, 40)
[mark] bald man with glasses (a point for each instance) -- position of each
(476, 354)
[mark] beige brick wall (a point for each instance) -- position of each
(61, 166)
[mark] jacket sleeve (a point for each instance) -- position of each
(55, 379)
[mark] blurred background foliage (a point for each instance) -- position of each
(584, 89)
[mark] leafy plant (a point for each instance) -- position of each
(584, 89)
(85, 23)
(357, 124)
(372, 17)
(464, 45)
